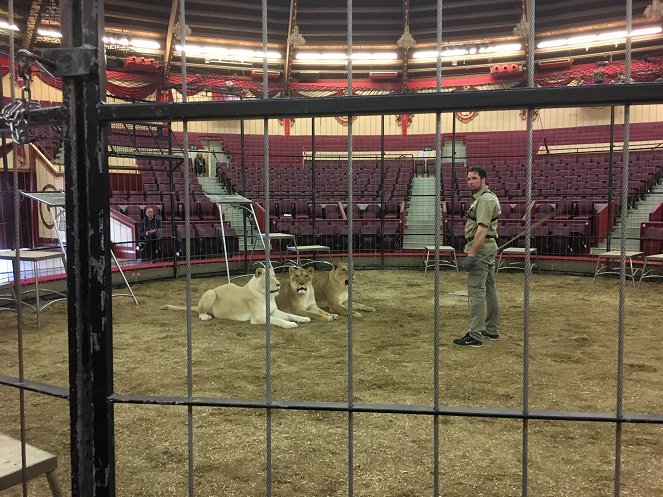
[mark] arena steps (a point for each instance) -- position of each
(420, 214)
(234, 215)
(636, 216)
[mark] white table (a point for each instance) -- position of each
(279, 237)
(611, 256)
(648, 273)
(308, 249)
(444, 249)
(35, 257)
(37, 462)
(519, 251)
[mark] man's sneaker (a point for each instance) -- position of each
(494, 338)
(467, 340)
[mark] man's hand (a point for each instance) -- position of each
(470, 262)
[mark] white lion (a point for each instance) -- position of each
(244, 303)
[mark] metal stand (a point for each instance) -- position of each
(55, 202)
(235, 200)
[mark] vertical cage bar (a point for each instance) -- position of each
(268, 265)
(350, 358)
(436, 305)
(88, 266)
(530, 16)
(187, 254)
(622, 258)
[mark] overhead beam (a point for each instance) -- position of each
(419, 103)
(168, 48)
(34, 18)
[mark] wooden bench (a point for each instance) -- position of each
(37, 462)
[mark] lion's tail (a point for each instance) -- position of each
(176, 308)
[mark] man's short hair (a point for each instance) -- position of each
(479, 170)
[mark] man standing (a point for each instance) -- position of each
(481, 248)
(148, 232)
(199, 165)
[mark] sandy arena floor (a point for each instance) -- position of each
(573, 356)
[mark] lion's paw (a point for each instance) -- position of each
(205, 317)
(290, 324)
(303, 319)
(332, 317)
(356, 314)
(368, 309)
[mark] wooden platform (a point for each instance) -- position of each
(38, 462)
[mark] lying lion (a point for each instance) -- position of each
(297, 295)
(331, 291)
(244, 303)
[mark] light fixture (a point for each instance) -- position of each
(606, 38)
(340, 57)
(522, 28)
(6, 25)
(321, 56)
(374, 56)
(176, 30)
(654, 11)
(212, 51)
(406, 40)
(503, 48)
(50, 33)
(296, 39)
(137, 43)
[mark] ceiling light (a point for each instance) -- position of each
(324, 56)
(374, 56)
(143, 43)
(51, 33)
(504, 48)
(206, 51)
(139, 43)
(6, 25)
(461, 51)
(599, 38)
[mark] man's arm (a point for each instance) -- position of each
(477, 243)
(479, 238)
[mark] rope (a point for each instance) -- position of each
(187, 251)
(350, 268)
(17, 247)
(622, 258)
(436, 290)
(268, 264)
(528, 231)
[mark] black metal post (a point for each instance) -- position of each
(610, 161)
(171, 197)
(4, 194)
(453, 168)
(243, 164)
(88, 265)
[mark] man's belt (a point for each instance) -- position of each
(490, 237)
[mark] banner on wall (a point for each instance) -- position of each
(404, 121)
